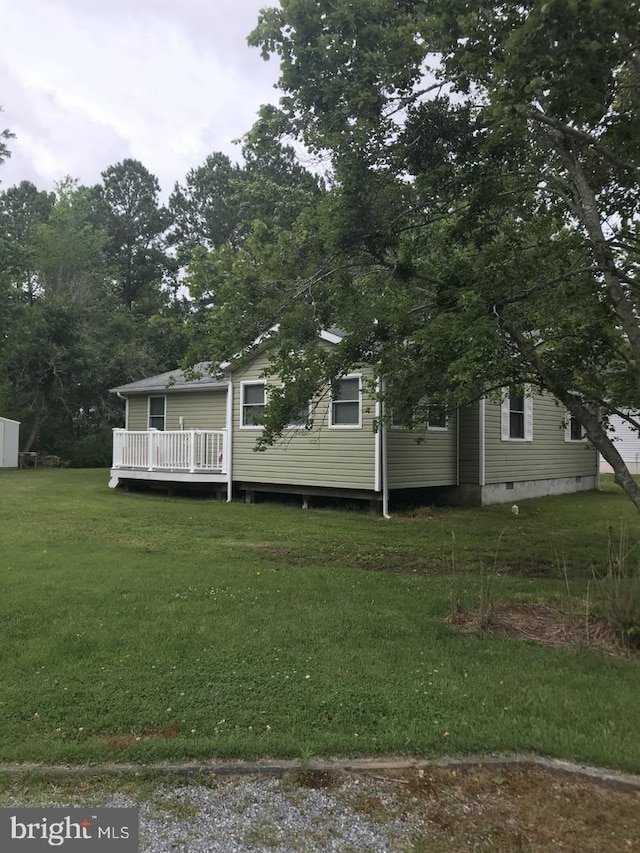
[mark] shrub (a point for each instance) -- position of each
(616, 592)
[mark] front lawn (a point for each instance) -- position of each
(135, 627)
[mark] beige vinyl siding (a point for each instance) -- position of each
(547, 456)
(198, 409)
(420, 458)
(469, 445)
(323, 457)
(138, 412)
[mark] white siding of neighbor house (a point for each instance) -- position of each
(420, 458)
(548, 455)
(198, 409)
(324, 456)
(626, 440)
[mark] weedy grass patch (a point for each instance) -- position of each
(141, 628)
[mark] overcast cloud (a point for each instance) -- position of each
(86, 83)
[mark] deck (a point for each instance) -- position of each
(179, 456)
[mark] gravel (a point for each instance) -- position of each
(261, 814)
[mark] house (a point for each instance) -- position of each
(9, 440)
(203, 431)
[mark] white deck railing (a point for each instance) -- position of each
(192, 450)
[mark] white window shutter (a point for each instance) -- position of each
(528, 415)
(505, 428)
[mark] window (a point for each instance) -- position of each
(157, 406)
(437, 418)
(345, 405)
(252, 404)
(517, 415)
(573, 431)
(301, 419)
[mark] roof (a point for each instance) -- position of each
(173, 380)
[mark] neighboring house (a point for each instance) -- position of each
(9, 437)
(626, 441)
(204, 432)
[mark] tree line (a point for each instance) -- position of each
(93, 288)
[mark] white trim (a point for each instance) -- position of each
(357, 376)
(124, 474)
(126, 413)
(164, 417)
(243, 384)
(481, 434)
(229, 447)
(527, 415)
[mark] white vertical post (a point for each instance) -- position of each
(151, 448)
(192, 451)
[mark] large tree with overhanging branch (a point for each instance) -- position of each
(480, 227)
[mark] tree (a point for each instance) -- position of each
(221, 201)
(67, 339)
(482, 224)
(22, 208)
(4, 149)
(129, 211)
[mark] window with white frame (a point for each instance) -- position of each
(253, 401)
(346, 408)
(517, 415)
(573, 430)
(157, 412)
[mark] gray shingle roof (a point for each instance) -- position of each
(172, 380)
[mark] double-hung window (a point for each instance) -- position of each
(157, 411)
(346, 404)
(517, 415)
(573, 431)
(253, 401)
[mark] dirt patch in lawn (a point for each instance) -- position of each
(543, 624)
(482, 810)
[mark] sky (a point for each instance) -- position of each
(86, 83)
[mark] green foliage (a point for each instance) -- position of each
(129, 212)
(481, 224)
(4, 149)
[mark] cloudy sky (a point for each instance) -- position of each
(86, 83)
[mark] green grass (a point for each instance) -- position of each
(142, 628)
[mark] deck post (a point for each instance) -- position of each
(192, 451)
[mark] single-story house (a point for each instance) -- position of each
(181, 430)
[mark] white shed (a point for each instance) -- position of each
(627, 442)
(9, 439)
